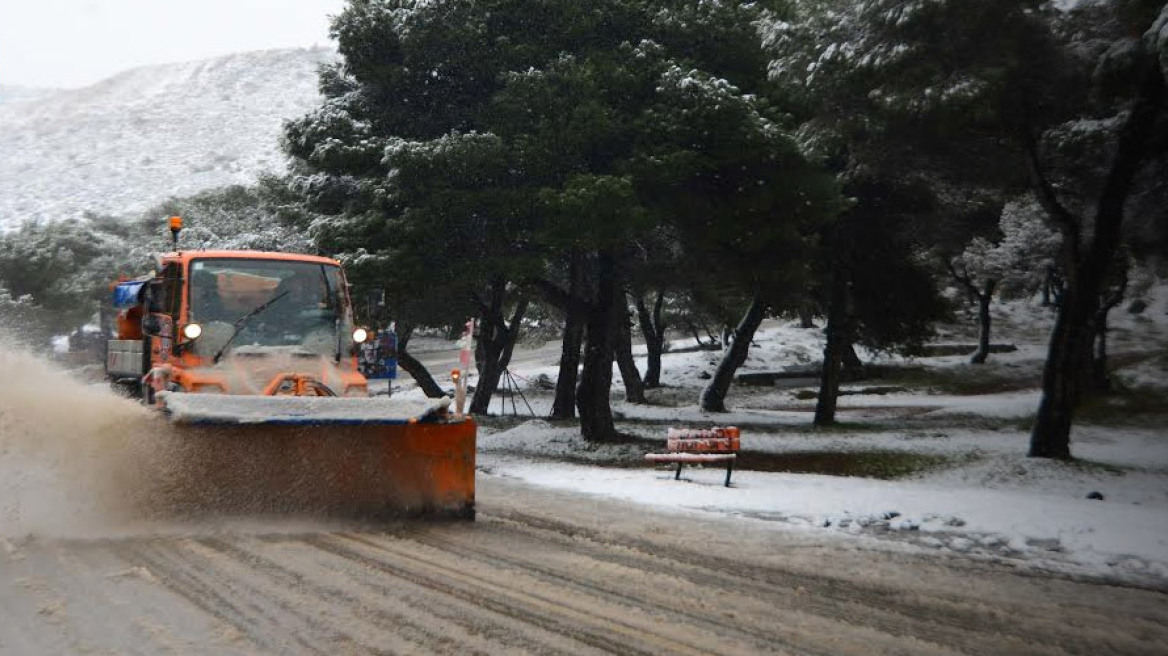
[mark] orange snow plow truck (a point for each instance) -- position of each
(251, 356)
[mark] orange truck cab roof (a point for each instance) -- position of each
(186, 256)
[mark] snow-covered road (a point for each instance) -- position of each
(544, 572)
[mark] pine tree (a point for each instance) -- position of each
(497, 145)
(971, 98)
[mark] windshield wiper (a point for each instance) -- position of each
(240, 322)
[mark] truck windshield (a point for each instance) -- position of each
(305, 304)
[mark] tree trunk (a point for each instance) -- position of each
(497, 340)
(480, 348)
(693, 330)
(1069, 352)
(838, 338)
(411, 366)
(984, 297)
(592, 395)
(1070, 344)
(564, 405)
(714, 396)
(852, 364)
(653, 329)
(487, 349)
(806, 315)
(1048, 286)
(1100, 376)
(1100, 379)
(634, 388)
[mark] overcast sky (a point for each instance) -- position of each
(73, 43)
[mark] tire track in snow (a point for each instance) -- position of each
(216, 595)
(598, 630)
(682, 603)
(854, 603)
(272, 603)
(945, 619)
(360, 612)
(469, 625)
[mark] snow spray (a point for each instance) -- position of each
(76, 460)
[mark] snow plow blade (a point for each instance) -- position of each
(354, 458)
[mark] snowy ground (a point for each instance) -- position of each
(954, 436)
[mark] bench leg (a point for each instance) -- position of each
(677, 476)
(729, 469)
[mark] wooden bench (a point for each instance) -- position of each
(699, 446)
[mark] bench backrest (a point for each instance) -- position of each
(720, 439)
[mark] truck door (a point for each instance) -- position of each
(165, 303)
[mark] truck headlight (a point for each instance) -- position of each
(192, 331)
(360, 335)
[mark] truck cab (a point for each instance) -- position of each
(239, 323)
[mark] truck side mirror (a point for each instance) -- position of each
(151, 325)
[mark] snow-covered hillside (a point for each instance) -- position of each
(144, 135)
(10, 94)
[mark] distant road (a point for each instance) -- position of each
(439, 354)
(442, 356)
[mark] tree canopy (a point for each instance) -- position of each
(462, 145)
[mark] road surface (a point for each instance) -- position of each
(439, 356)
(541, 572)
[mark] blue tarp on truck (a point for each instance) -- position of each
(129, 293)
